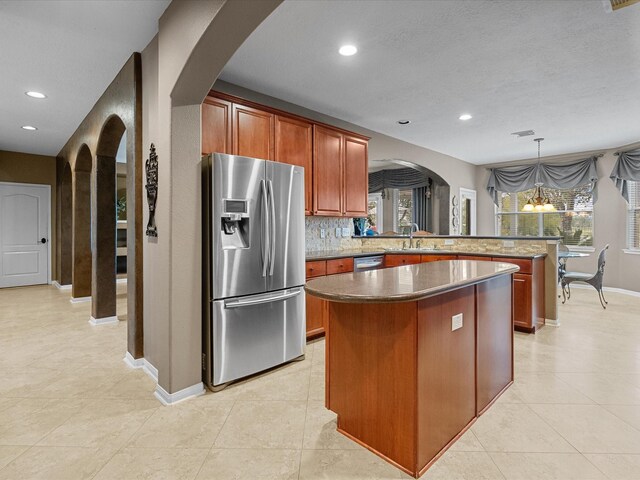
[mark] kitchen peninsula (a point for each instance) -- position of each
(414, 354)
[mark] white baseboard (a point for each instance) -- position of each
(142, 363)
(631, 293)
(56, 284)
(167, 398)
(103, 321)
(121, 280)
(552, 323)
(80, 299)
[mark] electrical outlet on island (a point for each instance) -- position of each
(456, 322)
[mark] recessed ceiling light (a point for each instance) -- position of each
(465, 116)
(28, 127)
(404, 122)
(35, 94)
(348, 50)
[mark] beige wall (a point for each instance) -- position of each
(27, 168)
(609, 223)
(455, 172)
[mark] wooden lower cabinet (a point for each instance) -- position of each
(317, 309)
(528, 293)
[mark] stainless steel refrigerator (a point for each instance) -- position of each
(253, 262)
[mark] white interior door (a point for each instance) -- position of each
(24, 234)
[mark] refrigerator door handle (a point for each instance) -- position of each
(272, 222)
(258, 301)
(264, 229)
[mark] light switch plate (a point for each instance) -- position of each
(508, 243)
(456, 322)
(448, 241)
(323, 233)
(338, 230)
(345, 231)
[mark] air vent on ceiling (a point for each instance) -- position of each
(524, 133)
(611, 5)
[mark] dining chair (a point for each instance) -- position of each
(595, 280)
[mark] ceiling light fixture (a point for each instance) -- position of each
(538, 202)
(35, 95)
(404, 122)
(348, 50)
(465, 116)
(28, 127)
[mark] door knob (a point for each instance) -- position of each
(43, 240)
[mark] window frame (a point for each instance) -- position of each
(378, 200)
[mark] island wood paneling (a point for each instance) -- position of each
(372, 375)
(446, 370)
(495, 339)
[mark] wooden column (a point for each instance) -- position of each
(103, 241)
(81, 223)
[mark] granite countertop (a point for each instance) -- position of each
(330, 254)
(406, 283)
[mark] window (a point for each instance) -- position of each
(572, 220)
(404, 210)
(633, 216)
(374, 216)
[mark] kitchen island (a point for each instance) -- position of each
(414, 354)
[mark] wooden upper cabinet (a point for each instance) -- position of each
(327, 172)
(253, 132)
(356, 177)
(294, 145)
(216, 126)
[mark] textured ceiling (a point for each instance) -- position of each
(564, 68)
(70, 51)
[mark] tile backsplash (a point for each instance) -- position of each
(314, 241)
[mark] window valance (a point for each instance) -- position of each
(626, 169)
(519, 178)
(401, 178)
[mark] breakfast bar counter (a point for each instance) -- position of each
(414, 354)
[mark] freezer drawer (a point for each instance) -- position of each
(257, 332)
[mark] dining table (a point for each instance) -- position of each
(565, 255)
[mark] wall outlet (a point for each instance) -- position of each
(323, 233)
(456, 322)
(449, 241)
(338, 230)
(508, 243)
(346, 232)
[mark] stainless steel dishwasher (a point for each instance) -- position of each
(373, 262)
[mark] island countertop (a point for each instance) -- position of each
(406, 283)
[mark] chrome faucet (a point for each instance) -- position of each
(411, 232)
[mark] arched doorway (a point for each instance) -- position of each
(81, 226)
(103, 224)
(65, 241)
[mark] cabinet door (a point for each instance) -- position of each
(522, 302)
(253, 132)
(316, 268)
(356, 177)
(397, 260)
(316, 315)
(294, 145)
(327, 172)
(216, 126)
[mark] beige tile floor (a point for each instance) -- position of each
(71, 409)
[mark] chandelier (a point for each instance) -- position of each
(538, 202)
